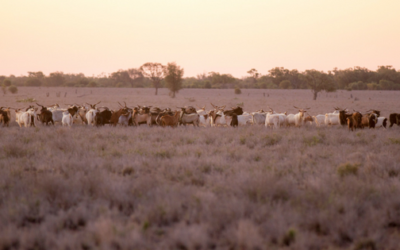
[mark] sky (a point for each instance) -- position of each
(230, 37)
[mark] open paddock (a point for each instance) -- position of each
(201, 188)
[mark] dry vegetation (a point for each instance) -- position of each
(205, 188)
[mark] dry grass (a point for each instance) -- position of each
(205, 188)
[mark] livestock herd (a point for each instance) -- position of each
(90, 114)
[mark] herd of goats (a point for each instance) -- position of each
(90, 114)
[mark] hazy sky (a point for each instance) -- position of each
(94, 36)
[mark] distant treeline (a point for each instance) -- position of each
(357, 78)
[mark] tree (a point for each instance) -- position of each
(296, 79)
(221, 80)
(7, 82)
(121, 77)
(55, 79)
(136, 75)
(386, 85)
(39, 75)
(35, 79)
(202, 76)
(254, 74)
(173, 78)
(285, 84)
(278, 74)
(92, 84)
(33, 82)
(155, 72)
(319, 81)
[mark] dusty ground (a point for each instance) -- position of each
(201, 188)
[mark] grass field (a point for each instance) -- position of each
(201, 188)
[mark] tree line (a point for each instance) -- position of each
(156, 75)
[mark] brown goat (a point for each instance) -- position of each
(170, 120)
(115, 116)
(5, 116)
(351, 123)
(368, 120)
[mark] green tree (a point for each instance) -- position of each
(344, 78)
(220, 80)
(278, 74)
(136, 76)
(173, 78)
(155, 72)
(39, 75)
(122, 78)
(7, 82)
(55, 79)
(33, 82)
(92, 84)
(357, 86)
(319, 81)
(285, 84)
(386, 73)
(254, 74)
(386, 85)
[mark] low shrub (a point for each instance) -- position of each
(27, 100)
(348, 169)
(13, 89)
